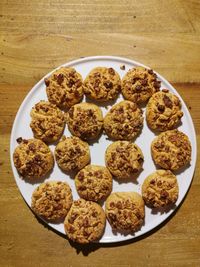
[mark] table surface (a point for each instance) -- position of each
(37, 36)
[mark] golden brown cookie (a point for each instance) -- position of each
(64, 87)
(160, 189)
(52, 200)
(47, 121)
(85, 120)
(124, 159)
(123, 121)
(93, 182)
(163, 111)
(32, 158)
(102, 84)
(72, 153)
(125, 211)
(171, 150)
(85, 221)
(139, 84)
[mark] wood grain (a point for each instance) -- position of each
(37, 36)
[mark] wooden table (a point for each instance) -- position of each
(37, 36)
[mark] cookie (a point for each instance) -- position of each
(171, 150)
(124, 159)
(85, 120)
(72, 153)
(94, 183)
(125, 211)
(123, 121)
(85, 221)
(32, 158)
(52, 200)
(64, 87)
(102, 84)
(47, 121)
(160, 189)
(139, 84)
(163, 111)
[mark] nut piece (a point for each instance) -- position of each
(72, 153)
(171, 150)
(47, 121)
(94, 183)
(52, 200)
(125, 211)
(160, 189)
(123, 121)
(85, 120)
(33, 159)
(85, 221)
(124, 159)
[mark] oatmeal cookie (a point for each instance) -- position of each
(139, 84)
(64, 87)
(123, 121)
(47, 121)
(52, 200)
(85, 221)
(160, 189)
(163, 111)
(32, 158)
(124, 159)
(72, 153)
(85, 120)
(102, 84)
(171, 150)
(125, 211)
(94, 183)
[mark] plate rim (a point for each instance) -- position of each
(115, 239)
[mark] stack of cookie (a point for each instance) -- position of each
(85, 219)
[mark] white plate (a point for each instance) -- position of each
(21, 129)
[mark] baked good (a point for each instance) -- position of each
(124, 159)
(47, 121)
(85, 120)
(85, 221)
(123, 121)
(72, 153)
(64, 87)
(125, 211)
(102, 84)
(93, 182)
(139, 84)
(32, 158)
(163, 111)
(52, 200)
(171, 150)
(160, 189)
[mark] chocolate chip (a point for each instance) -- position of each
(164, 194)
(70, 83)
(167, 101)
(150, 71)
(161, 108)
(60, 78)
(108, 84)
(138, 88)
(19, 140)
(46, 81)
(111, 71)
(144, 82)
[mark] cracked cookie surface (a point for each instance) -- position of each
(102, 84)
(52, 200)
(94, 182)
(171, 150)
(125, 211)
(123, 121)
(160, 189)
(47, 121)
(32, 158)
(124, 159)
(64, 87)
(163, 111)
(85, 221)
(139, 84)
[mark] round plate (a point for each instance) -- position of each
(21, 129)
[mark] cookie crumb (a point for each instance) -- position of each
(122, 67)
(165, 90)
(19, 140)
